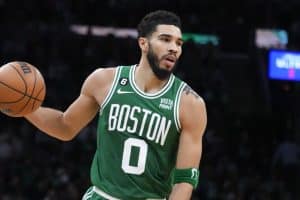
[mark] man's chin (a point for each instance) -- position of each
(163, 74)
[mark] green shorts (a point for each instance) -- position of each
(94, 193)
(90, 194)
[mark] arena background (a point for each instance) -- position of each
(251, 145)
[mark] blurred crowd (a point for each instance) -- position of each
(252, 155)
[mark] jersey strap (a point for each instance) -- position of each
(112, 89)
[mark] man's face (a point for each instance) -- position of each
(165, 47)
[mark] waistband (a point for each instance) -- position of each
(109, 197)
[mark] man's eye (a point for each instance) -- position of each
(165, 39)
(179, 43)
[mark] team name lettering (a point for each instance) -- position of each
(153, 126)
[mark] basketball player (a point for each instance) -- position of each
(149, 137)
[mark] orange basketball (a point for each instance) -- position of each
(22, 88)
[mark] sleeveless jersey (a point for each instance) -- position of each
(137, 138)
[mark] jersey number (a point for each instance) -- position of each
(141, 161)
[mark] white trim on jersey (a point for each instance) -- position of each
(112, 89)
(149, 95)
(103, 194)
(177, 105)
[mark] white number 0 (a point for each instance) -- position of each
(140, 167)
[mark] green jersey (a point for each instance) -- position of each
(137, 138)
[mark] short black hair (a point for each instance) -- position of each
(149, 23)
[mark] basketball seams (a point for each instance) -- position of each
(24, 81)
(33, 89)
(39, 92)
(23, 88)
(30, 96)
(18, 91)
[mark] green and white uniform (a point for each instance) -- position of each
(137, 141)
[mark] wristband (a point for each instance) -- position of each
(188, 175)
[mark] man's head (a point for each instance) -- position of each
(149, 23)
(160, 40)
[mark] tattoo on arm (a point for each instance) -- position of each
(188, 90)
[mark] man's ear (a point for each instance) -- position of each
(143, 43)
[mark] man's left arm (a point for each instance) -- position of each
(193, 119)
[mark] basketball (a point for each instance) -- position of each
(22, 88)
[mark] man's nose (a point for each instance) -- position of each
(173, 48)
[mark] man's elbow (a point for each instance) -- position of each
(65, 136)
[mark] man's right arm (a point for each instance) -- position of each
(66, 125)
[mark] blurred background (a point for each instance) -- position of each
(240, 56)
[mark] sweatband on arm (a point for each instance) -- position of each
(188, 175)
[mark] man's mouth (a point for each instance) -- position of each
(170, 58)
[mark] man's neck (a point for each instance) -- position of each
(146, 80)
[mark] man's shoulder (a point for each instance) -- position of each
(112, 69)
(103, 75)
(190, 97)
(106, 71)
